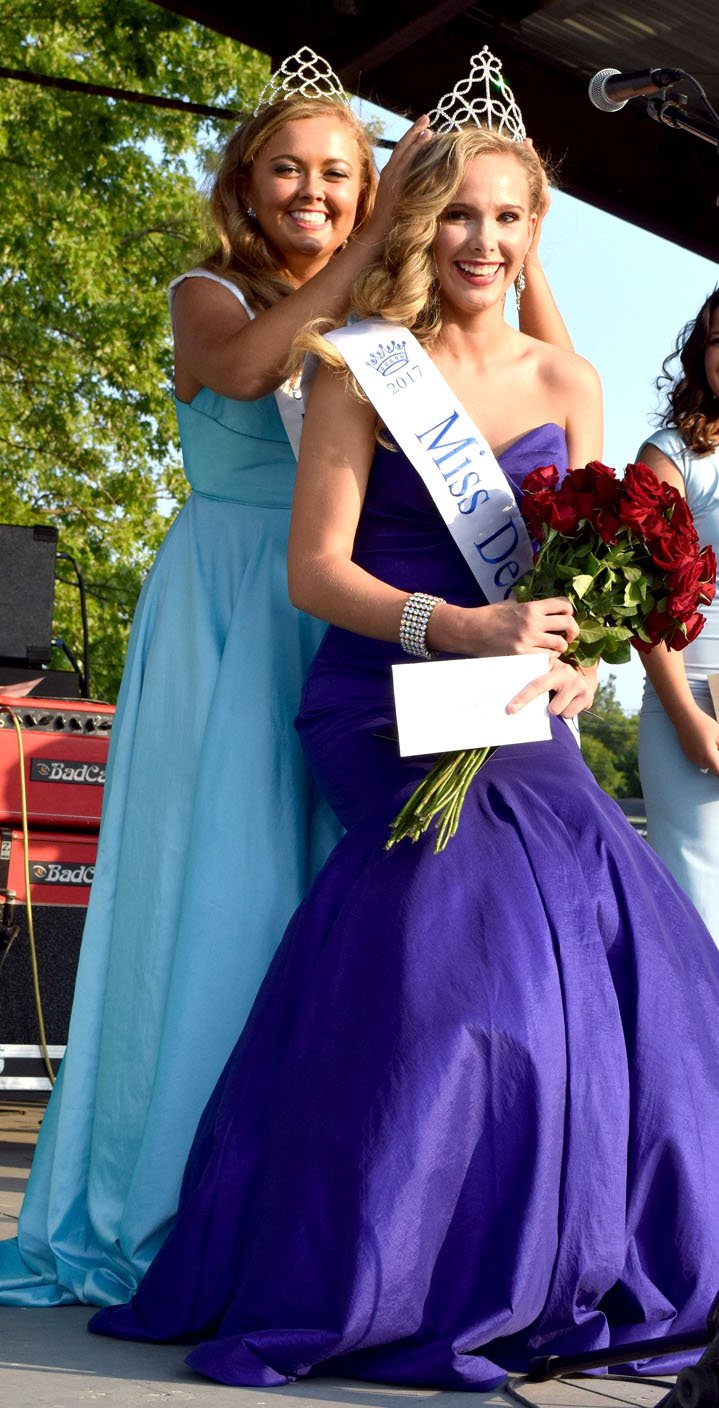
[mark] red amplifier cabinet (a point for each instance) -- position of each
(65, 745)
(62, 867)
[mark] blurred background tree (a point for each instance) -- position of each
(609, 743)
(100, 210)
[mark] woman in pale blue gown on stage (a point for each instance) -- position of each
(474, 1114)
(678, 728)
(212, 828)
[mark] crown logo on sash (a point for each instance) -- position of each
(389, 357)
(483, 98)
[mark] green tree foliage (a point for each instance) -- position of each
(100, 211)
(609, 743)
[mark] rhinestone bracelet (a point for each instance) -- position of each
(413, 626)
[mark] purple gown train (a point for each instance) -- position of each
(474, 1115)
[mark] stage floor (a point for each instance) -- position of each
(47, 1360)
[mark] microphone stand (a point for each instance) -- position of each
(669, 108)
(671, 113)
(696, 1386)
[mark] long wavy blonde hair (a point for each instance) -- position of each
(243, 254)
(401, 285)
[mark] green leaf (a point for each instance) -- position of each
(582, 584)
(635, 590)
(617, 652)
(591, 631)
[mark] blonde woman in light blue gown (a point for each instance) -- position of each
(212, 830)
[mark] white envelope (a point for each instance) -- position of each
(446, 705)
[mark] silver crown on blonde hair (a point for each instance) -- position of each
(483, 98)
(306, 73)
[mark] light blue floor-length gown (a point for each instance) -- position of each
(211, 834)
(682, 802)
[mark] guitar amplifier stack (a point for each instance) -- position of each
(65, 744)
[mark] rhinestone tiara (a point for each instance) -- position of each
(483, 98)
(304, 72)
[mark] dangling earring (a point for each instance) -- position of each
(250, 212)
(520, 283)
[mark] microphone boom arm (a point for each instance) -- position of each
(671, 114)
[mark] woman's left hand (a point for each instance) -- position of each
(571, 687)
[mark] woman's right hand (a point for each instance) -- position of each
(519, 628)
(698, 734)
(392, 176)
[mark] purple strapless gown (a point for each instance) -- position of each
(474, 1115)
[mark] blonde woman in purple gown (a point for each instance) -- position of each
(462, 1126)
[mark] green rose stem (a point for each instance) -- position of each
(439, 797)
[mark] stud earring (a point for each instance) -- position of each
(250, 212)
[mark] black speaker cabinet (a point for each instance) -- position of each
(27, 593)
(39, 683)
(58, 932)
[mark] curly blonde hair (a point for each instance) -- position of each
(243, 254)
(401, 285)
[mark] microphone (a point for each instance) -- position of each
(610, 90)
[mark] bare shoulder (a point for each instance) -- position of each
(333, 408)
(564, 370)
(198, 303)
(571, 392)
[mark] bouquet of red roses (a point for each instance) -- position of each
(626, 555)
(624, 552)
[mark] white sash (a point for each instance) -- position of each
(288, 399)
(449, 452)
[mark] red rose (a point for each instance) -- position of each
(687, 632)
(641, 484)
(588, 490)
(680, 514)
(537, 512)
(608, 525)
(582, 503)
(670, 549)
(674, 540)
(600, 479)
(546, 477)
(708, 561)
(684, 585)
(645, 520)
(642, 646)
(564, 516)
(658, 625)
(538, 499)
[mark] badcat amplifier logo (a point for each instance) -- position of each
(61, 770)
(53, 872)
